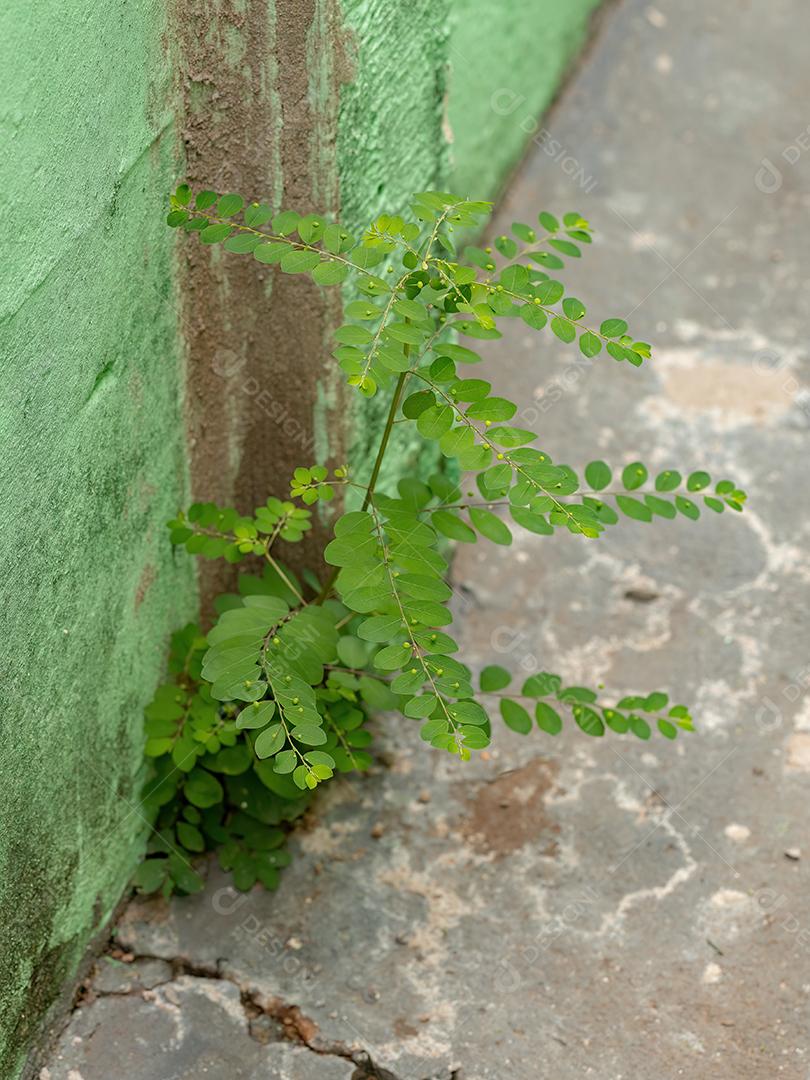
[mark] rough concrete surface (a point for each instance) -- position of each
(568, 908)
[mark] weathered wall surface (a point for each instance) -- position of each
(141, 369)
(390, 143)
(259, 96)
(506, 64)
(92, 463)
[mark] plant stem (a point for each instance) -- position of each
(389, 423)
(375, 472)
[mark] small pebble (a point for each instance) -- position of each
(424, 796)
(739, 833)
(712, 973)
(377, 831)
(793, 853)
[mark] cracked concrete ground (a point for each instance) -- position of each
(566, 908)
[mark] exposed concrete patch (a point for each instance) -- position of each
(510, 811)
(728, 915)
(692, 384)
(259, 119)
(798, 752)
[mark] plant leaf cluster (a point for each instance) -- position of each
(275, 699)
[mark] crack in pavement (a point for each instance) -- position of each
(293, 1025)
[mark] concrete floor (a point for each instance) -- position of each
(576, 907)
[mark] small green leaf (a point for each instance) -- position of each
(634, 475)
(548, 719)
(491, 526)
(380, 628)
(663, 507)
(285, 762)
(542, 684)
(215, 234)
(329, 272)
(229, 205)
(451, 526)
(613, 328)
(563, 329)
(589, 344)
(533, 316)
(420, 708)
(257, 214)
(640, 727)
(468, 712)
(549, 292)
(202, 789)
(616, 721)
(297, 262)
(515, 716)
(494, 677)
(270, 741)
(309, 735)
(565, 247)
(698, 481)
(270, 253)
(589, 720)
(598, 475)
(242, 243)
(655, 702)
(668, 730)
(190, 837)
(435, 421)
(668, 480)
(286, 222)
(256, 715)
(150, 875)
(687, 507)
(633, 508)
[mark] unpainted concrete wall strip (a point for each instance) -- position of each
(259, 100)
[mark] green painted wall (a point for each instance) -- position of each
(92, 459)
(506, 62)
(108, 342)
(390, 143)
(454, 109)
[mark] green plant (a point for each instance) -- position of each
(275, 698)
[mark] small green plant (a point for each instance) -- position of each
(276, 697)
